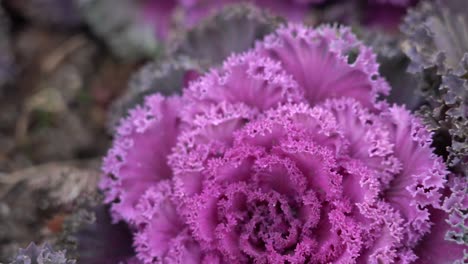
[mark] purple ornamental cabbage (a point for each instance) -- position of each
(282, 155)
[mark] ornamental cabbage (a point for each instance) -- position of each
(437, 44)
(284, 154)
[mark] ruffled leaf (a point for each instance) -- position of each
(437, 45)
(41, 255)
(143, 141)
(328, 62)
(166, 77)
(234, 29)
